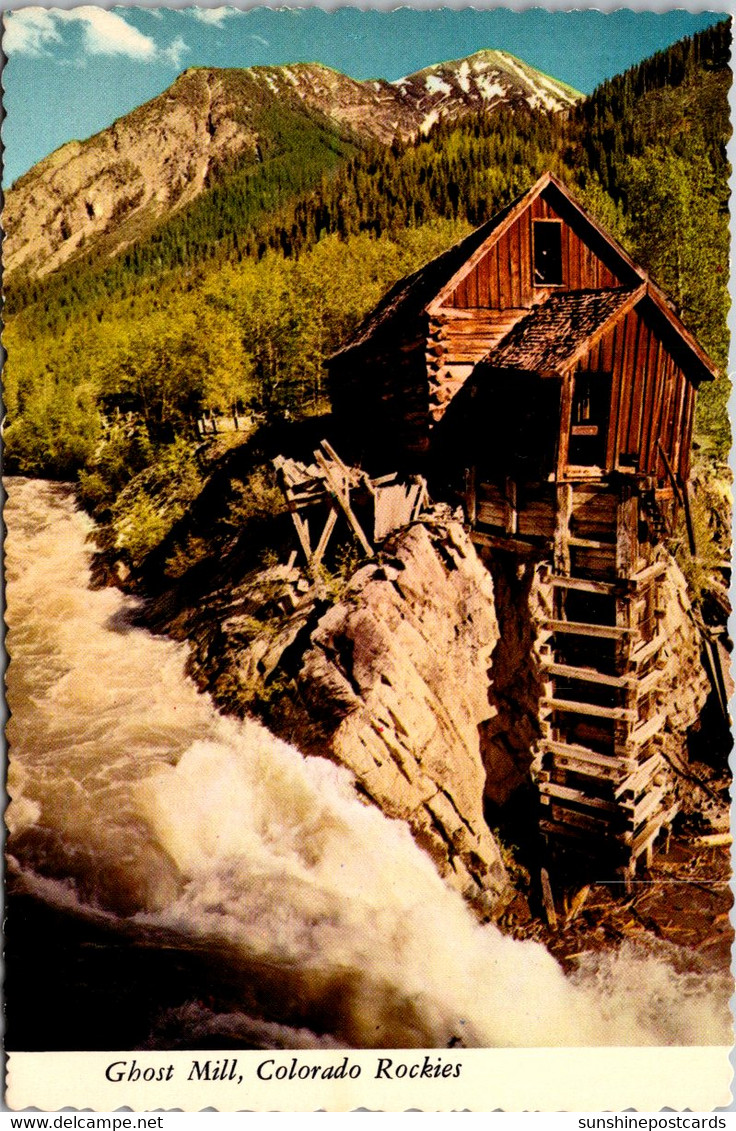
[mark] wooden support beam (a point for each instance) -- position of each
(326, 533)
(645, 652)
(591, 544)
(562, 528)
(471, 496)
(548, 900)
(567, 793)
(582, 753)
(646, 731)
(340, 493)
(622, 714)
(512, 513)
(641, 579)
(584, 584)
(642, 776)
(578, 628)
(588, 675)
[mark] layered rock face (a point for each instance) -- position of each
(400, 668)
(687, 684)
(113, 187)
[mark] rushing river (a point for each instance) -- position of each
(148, 825)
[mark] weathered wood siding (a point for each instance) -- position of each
(457, 341)
(504, 276)
(380, 402)
(651, 399)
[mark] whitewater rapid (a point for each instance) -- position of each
(133, 799)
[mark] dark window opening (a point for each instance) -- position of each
(547, 253)
(589, 423)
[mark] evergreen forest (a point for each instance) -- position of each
(234, 303)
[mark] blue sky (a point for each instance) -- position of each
(72, 71)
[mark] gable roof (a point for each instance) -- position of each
(424, 292)
(411, 295)
(548, 339)
(605, 246)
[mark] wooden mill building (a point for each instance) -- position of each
(537, 373)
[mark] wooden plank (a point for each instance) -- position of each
(585, 769)
(575, 249)
(302, 530)
(620, 714)
(632, 430)
(504, 287)
(512, 514)
(578, 628)
(616, 364)
(491, 514)
(677, 433)
(648, 462)
(548, 900)
(575, 750)
(647, 730)
(597, 824)
(326, 533)
(641, 777)
(341, 496)
(515, 252)
(654, 362)
(567, 793)
(631, 323)
(660, 425)
(590, 543)
(581, 831)
(687, 433)
(517, 545)
(665, 817)
(562, 528)
(471, 282)
(643, 577)
(584, 584)
(486, 294)
(647, 651)
(646, 391)
(588, 675)
(525, 258)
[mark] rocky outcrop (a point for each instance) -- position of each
(398, 673)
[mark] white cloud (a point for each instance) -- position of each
(36, 31)
(106, 33)
(213, 16)
(29, 32)
(260, 39)
(174, 52)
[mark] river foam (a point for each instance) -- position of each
(132, 795)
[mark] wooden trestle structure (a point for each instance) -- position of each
(599, 764)
(319, 493)
(603, 779)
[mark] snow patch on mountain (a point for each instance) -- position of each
(437, 85)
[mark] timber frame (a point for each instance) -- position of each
(555, 398)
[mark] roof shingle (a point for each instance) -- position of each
(546, 339)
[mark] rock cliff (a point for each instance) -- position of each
(401, 665)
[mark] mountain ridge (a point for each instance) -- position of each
(106, 191)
